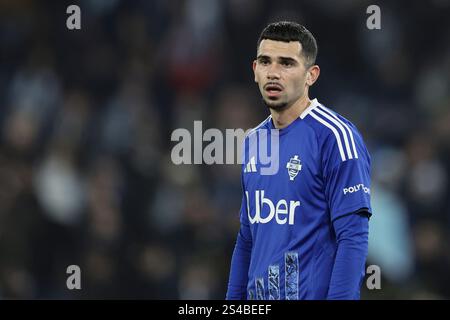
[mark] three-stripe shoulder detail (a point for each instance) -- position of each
(342, 132)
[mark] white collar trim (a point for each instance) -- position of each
(314, 104)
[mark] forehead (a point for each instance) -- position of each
(274, 48)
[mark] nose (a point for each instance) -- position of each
(273, 72)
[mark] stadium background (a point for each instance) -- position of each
(86, 176)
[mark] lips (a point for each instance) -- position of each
(273, 89)
(271, 86)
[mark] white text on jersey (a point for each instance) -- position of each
(278, 211)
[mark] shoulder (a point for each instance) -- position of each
(335, 133)
(250, 141)
(264, 125)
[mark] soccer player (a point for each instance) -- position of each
(303, 229)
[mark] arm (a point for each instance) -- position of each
(352, 232)
(240, 261)
(237, 284)
(347, 188)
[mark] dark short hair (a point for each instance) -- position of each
(287, 31)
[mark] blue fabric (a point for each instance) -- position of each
(291, 218)
(237, 284)
(352, 233)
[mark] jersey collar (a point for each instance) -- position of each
(314, 104)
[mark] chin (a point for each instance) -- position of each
(275, 105)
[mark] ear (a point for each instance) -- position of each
(312, 74)
(254, 67)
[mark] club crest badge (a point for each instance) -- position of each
(293, 166)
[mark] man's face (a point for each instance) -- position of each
(280, 72)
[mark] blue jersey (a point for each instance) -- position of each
(323, 173)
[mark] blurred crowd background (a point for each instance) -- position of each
(86, 117)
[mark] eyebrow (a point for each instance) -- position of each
(282, 59)
(288, 59)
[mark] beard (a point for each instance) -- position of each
(275, 105)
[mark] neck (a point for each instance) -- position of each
(283, 118)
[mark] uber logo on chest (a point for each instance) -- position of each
(293, 166)
(277, 209)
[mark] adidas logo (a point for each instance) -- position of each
(251, 166)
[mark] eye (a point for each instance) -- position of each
(287, 64)
(264, 62)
